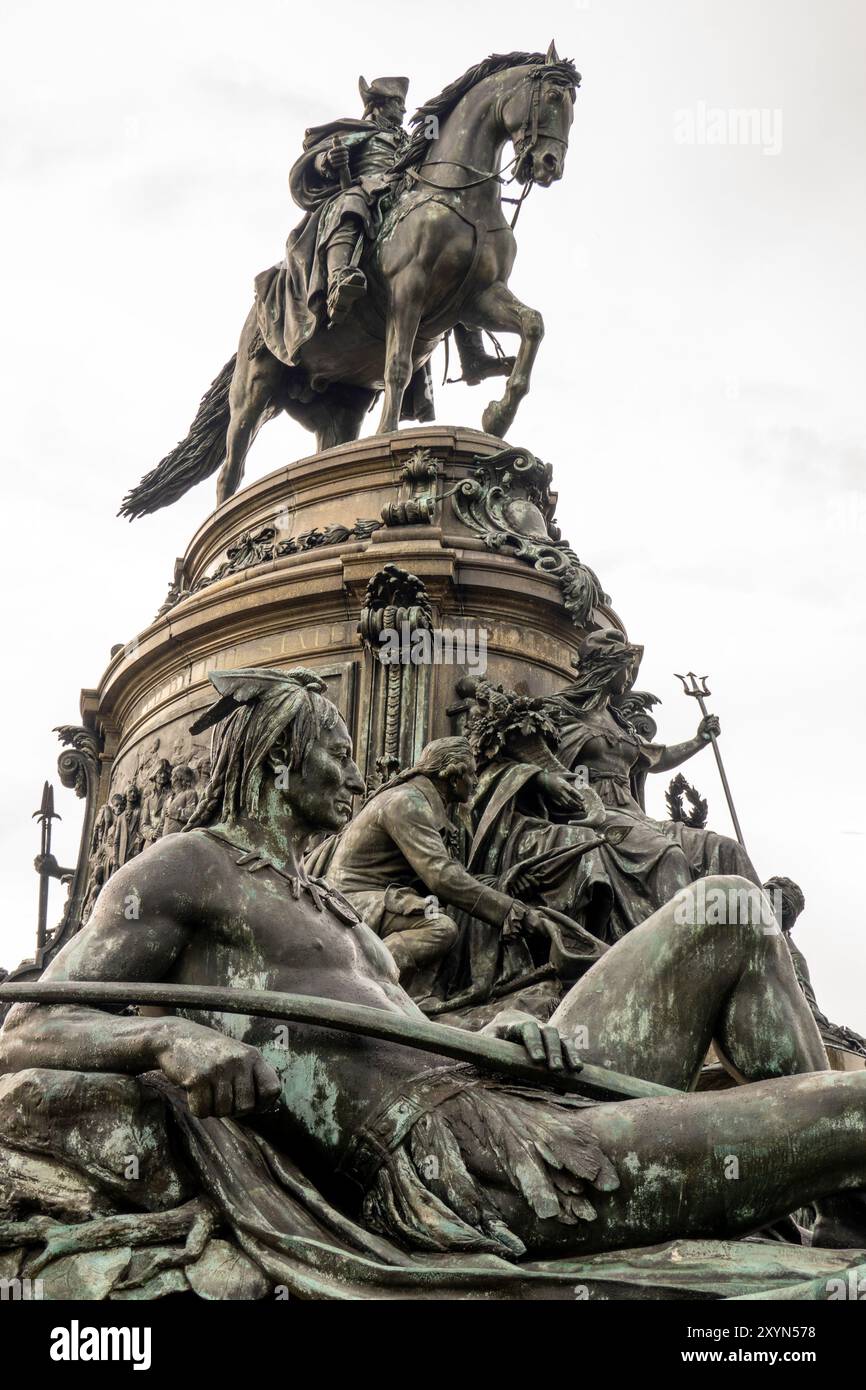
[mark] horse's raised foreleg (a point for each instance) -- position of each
(497, 308)
(404, 315)
(255, 395)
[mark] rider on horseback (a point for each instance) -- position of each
(441, 258)
(358, 156)
(344, 180)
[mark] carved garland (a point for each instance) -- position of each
(262, 547)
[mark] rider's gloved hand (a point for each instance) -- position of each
(337, 158)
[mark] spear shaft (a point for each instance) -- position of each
(491, 1054)
(45, 815)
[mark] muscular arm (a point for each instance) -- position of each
(139, 928)
(122, 941)
(677, 753)
(412, 826)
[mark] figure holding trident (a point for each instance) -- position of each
(620, 883)
(697, 687)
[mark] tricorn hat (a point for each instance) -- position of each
(382, 88)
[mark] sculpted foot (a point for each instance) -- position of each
(477, 369)
(347, 286)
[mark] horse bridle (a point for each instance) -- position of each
(524, 142)
(528, 135)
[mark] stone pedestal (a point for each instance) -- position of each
(279, 576)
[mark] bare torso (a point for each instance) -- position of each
(254, 934)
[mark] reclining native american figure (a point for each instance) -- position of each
(337, 1162)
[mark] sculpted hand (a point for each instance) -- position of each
(220, 1076)
(535, 920)
(522, 918)
(559, 794)
(543, 1043)
(708, 726)
(337, 158)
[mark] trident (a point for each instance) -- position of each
(45, 815)
(697, 687)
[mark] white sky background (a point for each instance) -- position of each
(699, 390)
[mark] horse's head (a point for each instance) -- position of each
(537, 114)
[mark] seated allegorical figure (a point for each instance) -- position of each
(582, 736)
(390, 1149)
(657, 857)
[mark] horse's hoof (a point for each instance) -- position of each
(495, 420)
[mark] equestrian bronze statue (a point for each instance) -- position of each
(404, 239)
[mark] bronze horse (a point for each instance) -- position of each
(443, 257)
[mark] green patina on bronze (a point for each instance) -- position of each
(426, 1138)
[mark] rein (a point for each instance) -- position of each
(456, 164)
(484, 178)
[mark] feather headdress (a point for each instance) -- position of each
(248, 683)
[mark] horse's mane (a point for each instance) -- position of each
(562, 70)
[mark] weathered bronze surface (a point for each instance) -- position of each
(418, 795)
(792, 903)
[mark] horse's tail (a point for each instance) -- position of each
(194, 458)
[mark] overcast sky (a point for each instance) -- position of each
(699, 391)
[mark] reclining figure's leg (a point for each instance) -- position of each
(718, 1163)
(653, 1004)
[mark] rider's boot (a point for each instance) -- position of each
(475, 362)
(347, 283)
